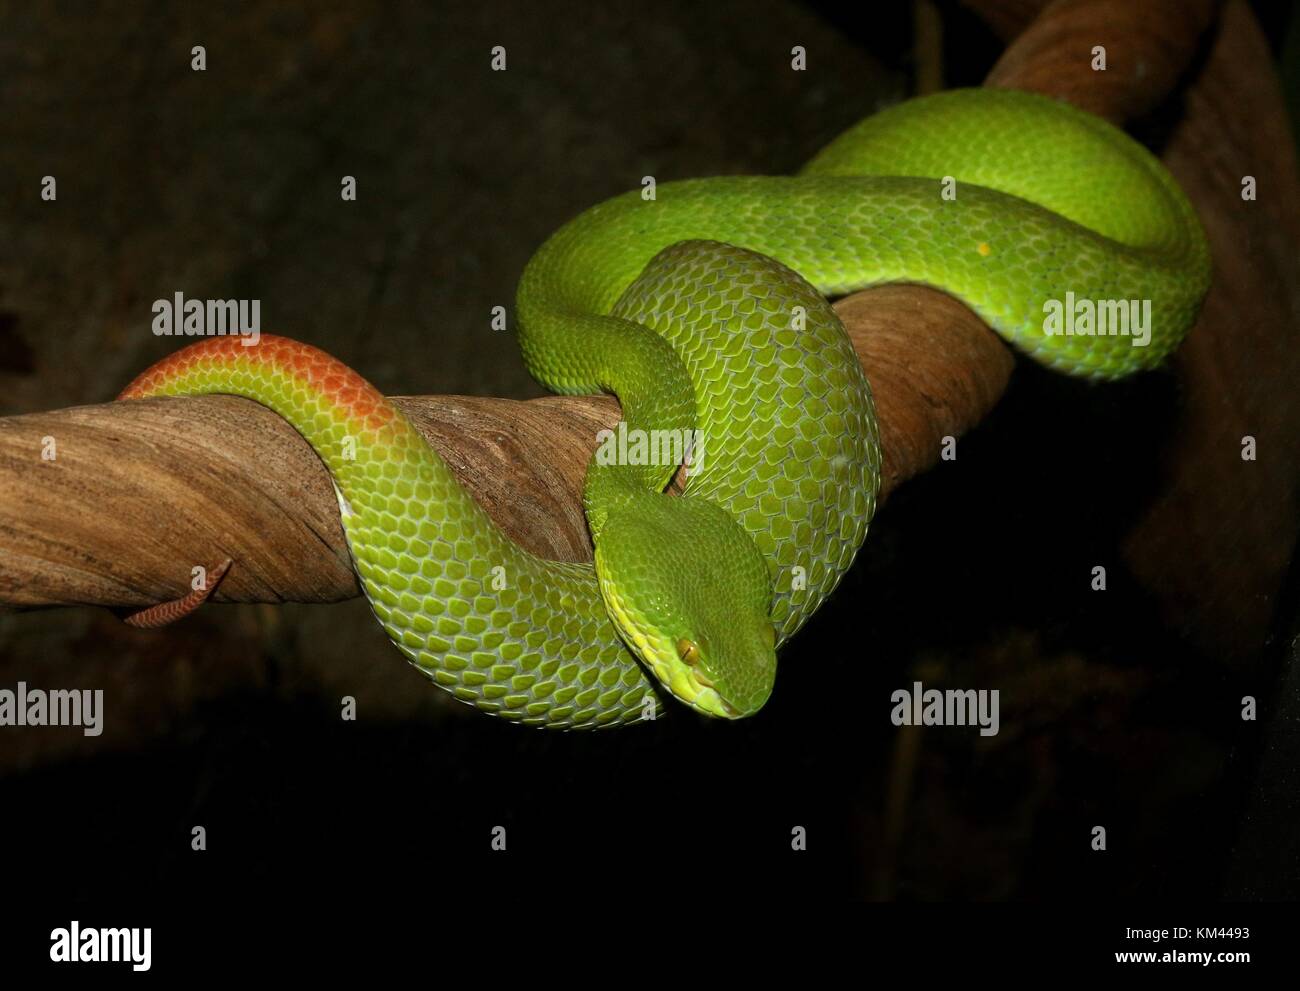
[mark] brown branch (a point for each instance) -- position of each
(1148, 47)
(139, 493)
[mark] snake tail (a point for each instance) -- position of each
(513, 635)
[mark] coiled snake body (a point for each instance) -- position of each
(704, 310)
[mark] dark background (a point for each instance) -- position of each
(226, 183)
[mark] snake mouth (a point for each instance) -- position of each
(711, 703)
(691, 686)
(695, 691)
(708, 700)
(686, 684)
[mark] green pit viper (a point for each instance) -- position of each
(705, 309)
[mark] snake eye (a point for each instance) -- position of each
(688, 651)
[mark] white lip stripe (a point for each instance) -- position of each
(683, 686)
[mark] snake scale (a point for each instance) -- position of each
(704, 310)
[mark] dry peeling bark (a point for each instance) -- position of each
(140, 493)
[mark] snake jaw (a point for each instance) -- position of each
(686, 683)
(708, 700)
(713, 704)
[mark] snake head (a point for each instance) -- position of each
(691, 596)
